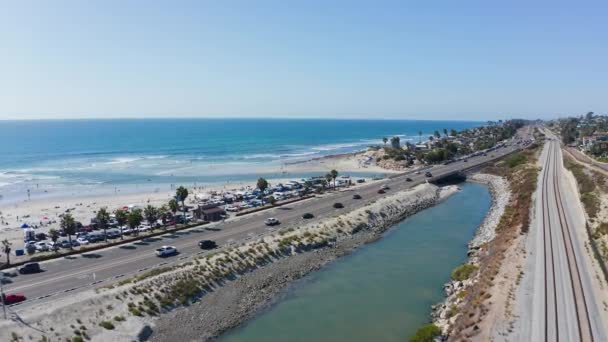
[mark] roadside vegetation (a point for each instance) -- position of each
(427, 333)
(463, 272)
(593, 191)
(587, 185)
(521, 171)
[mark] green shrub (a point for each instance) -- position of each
(515, 160)
(463, 272)
(119, 318)
(591, 203)
(427, 333)
(107, 324)
(77, 339)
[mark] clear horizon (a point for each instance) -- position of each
(470, 61)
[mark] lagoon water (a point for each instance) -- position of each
(384, 290)
(92, 155)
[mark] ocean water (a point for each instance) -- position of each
(83, 156)
(384, 290)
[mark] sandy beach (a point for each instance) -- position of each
(44, 213)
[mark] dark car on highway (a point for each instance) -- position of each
(356, 196)
(32, 267)
(338, 205)
(207, 244)
(308, 216)
(408, 179)
(428, 174)
(380, 191)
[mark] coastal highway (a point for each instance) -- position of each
(564, 303)
(67, 276)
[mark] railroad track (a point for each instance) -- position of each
(552, 244)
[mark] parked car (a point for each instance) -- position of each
(271, 221)
(144, 228)
(207, 244)
(113, 234)
(385, 187)
(83, 240)
(338, 205)
(408, 179)
(428, 174)
(43, 246)
(95, 238)
(12, 298)
(380, 191)
(418, 172)
(165, 251)
(231, 208)
(308, 216)
(356, 196)
(66, 243)
(40, 236)
(32, 267)
(360, 180)
(465, 160)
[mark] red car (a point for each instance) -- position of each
(13, 298)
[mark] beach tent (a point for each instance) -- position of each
(24, 226)
(202, 196)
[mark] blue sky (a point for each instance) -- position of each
(473, 60)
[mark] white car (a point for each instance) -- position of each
(144, 228)
(43, 246)
(271, 221)
(82, 240)
(166, 251)
(231, 208)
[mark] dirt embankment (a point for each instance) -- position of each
(481, 293)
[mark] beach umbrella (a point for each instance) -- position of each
(24, 226)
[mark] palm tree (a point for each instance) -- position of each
(262, 185)
(162, 213)
(134, 219)
(385, 139)
(6, 249)
(328, 178)
(334, 175)
(445, 132)
(431, 138)
(436, 134)
(307, 186)
(181, 194)
(173, 207)
(121, 219)
(420, 136)
(54, 237)
(69, 227)
(151, 215)
(453, 132)
(103, 217)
